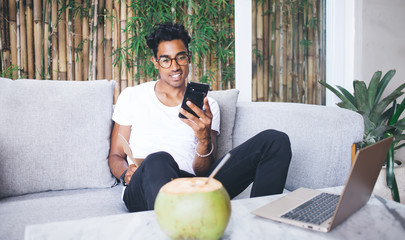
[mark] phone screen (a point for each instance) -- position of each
(195, 92)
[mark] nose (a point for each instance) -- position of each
(175, 66)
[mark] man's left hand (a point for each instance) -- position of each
(201, 125)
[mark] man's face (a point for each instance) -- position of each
(176, 74)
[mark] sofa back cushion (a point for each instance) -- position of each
(226, 100)
(321, 138)
(54, 135)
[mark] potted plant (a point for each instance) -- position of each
(380, 120)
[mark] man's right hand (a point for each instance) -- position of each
(130, 171)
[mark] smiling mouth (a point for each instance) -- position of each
(177, 75)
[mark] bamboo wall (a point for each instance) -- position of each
(288, 41)
(86, 40)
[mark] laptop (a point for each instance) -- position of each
(321, 211)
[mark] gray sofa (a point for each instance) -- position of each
(54, 143)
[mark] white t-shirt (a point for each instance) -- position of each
(157, 127)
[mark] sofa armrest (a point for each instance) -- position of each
(321, 138)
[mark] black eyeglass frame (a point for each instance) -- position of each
(175, 58)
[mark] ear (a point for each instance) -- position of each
(154, 61)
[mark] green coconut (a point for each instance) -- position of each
(192, 208)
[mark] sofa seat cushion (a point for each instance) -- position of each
(37, 208)
(54, 135)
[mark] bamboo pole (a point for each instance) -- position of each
(123, 22)
(23, 40)
(86, 43)
(295, 49)
(91, 40)
(108, 40)
(213, 58)
(49, 55)
(136, 71)
(129, 36)
(6, 40)
(284, 96)
(116, 42)
(45, 43)
(276, 78)
(214, 83)
(254, 46)
(260, 48)
(188, 11)
(271, 50)
(266, 47)
(13, 33)
(17, 2)
(231, 83)
(289, 52)
(100, 41)
(93, 54)
(30, 39)
(62, 41)
(54, 37)
(301, 66)
(67, 33)
(316, 54)
(197, 67)
(322, 30)
(311, 52)
(77, 41)
(70, 44)
(38, 38)
(1, 49)
(5, 50)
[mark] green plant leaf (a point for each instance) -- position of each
(383, 84)
(369, 126)
(400, 124)
(361, 96)
(381, 106)
(398, 112)
(399, 137)
(381, 130)
(383, 119)
(372, 87)
(348, 95)
(346, 102)
(390, 175)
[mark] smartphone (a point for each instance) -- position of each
(195, 92)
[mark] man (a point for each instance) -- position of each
(172, 147)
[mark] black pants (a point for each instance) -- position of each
(264, 160)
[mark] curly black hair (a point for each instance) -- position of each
(167, 32)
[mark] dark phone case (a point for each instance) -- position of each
(195, 92)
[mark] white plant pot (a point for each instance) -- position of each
(381, 188)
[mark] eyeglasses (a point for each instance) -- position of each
(181, 60)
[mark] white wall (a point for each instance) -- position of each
(380, 40)
(243, 49)
(383, 40)
(340, 46)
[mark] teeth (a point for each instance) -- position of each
(176, 75)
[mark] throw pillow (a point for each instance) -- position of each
(54, 135)
(227, 100)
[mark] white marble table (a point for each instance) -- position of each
(378, 219)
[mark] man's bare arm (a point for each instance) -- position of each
(117, 158)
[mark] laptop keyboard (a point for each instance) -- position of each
(315, 211)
